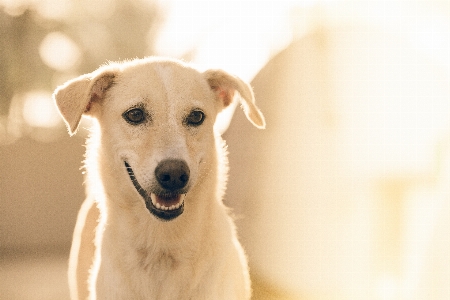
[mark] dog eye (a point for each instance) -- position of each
(134, 116)
(195, 118)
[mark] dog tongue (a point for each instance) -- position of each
(167, 201)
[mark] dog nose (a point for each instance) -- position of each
(172, 174)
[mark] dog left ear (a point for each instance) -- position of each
(76, 97)
(225, 85)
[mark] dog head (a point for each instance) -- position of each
(156, 121)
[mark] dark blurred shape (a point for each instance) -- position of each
(100, 31)
(21, 68)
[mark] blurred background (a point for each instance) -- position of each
(345, 195)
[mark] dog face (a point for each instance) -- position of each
(156, 122)
(159, 121)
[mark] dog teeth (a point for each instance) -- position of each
(163, 207)
(153, 197)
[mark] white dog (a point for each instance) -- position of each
(153, 225)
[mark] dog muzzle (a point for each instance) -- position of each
(168, 203)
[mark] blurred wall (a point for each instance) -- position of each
(356, 117)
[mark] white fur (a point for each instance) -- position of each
(136, 255)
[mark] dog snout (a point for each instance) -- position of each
(172, 174)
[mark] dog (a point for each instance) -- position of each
(153, 225)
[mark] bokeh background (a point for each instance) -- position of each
(345, 195)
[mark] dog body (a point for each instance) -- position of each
(156, 174)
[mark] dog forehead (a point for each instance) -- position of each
(169, 81)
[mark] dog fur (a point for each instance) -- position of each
(121, 249)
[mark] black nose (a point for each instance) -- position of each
(172, 174)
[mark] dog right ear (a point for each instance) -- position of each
(78, 96)
(225, 85)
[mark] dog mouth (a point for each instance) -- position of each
(165, 206)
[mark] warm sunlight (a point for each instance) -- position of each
(214, 38)
(59, 52)
(39, 110)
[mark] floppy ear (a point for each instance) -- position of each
(75, 97)
(225, 85)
